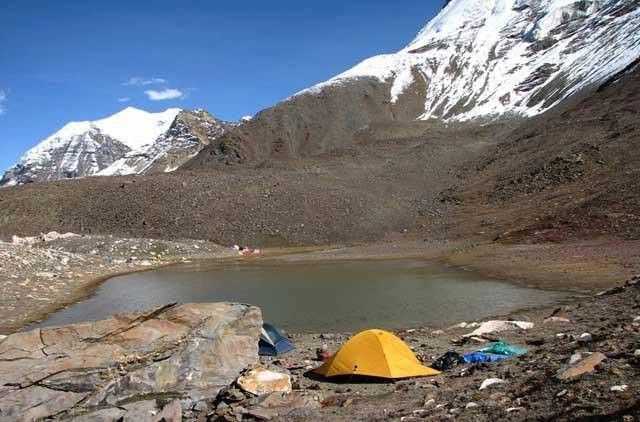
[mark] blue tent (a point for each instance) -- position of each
(273, 342)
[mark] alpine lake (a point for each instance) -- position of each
(313, 297)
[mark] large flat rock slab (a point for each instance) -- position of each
(171, 352)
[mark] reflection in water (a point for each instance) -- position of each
(313, 297)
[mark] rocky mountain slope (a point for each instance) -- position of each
(131, 141)
(187, 135)
(478, 59)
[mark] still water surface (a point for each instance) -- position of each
(316, 297)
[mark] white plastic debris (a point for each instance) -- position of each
(471, 405)
(497, 326)
(491, 381)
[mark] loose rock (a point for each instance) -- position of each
(619, 388)
(260, 381)
(585, 338)
(555, 319)
(582, 366)
(491, 381)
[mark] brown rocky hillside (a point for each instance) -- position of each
(570, 173)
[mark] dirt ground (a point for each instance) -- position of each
(40, 278)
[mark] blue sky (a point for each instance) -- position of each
(85, 60)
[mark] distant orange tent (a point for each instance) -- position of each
(375, 353)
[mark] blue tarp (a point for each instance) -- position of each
(273, 342)
(477, 357)
(503, 348)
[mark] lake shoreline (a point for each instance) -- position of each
(525, 265)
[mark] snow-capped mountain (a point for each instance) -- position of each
(477, 59)
(187, 135)
(130, 141)
(481, 58)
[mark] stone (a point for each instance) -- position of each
(637, 353)
(490, 382)
(175, 351)
(585, 338)
(260, 381)
(172, 412)
(471, 405)
(35, 402)
(497, 326)
(430, 403)
(575, 358)
(515, 409)
(104, 415)
(619, 388)
(262, 414)
(437, 333)
(556, 319)
(584, 365)
(281, 405)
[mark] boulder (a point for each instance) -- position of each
(172, 352)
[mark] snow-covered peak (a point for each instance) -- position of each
(480, 58)
(133, 127)
(136, 128)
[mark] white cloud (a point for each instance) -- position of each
(3, 101)
(165, 94)
(138, 81)
(124, 99)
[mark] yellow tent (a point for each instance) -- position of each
(375, 353)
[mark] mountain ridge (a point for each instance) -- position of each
(477, 60)
(129, 141)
